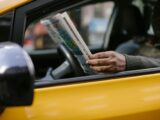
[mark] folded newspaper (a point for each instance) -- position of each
(62, 29)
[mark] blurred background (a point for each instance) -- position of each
(91, 21)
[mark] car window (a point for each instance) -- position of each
(90, 20)
(94, 21)
(129, 35)
(37, 38)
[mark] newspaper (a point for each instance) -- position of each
(62, 29)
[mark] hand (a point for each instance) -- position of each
(109, 61)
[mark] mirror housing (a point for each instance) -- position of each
(16, 76)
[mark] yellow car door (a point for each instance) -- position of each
(96, 98)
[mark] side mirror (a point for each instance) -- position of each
(16, 76)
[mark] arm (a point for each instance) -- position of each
(139, 62)
(111, 61)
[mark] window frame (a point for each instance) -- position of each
(36, 9)
(91, 78)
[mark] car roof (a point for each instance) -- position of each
(7, 5)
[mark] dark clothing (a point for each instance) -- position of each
(139, 62)
(130, 47)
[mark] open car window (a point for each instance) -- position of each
(125, 23)
(90, 20)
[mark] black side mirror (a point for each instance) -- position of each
(16, 76)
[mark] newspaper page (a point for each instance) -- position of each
(53, 33)
(63, 28)
(78, 39)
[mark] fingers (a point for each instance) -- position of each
(98, 62)
(101, 62)
(98, 55)
(102, 55)
(102, 69)
(109, 61)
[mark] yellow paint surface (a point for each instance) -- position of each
(130, 98)
(7, 5)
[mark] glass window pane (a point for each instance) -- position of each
(95, 18)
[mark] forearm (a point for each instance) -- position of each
(139, 62)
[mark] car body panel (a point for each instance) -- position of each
(7, 5)
(128, 98)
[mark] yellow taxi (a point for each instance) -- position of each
(70, 94)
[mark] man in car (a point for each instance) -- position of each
(111, 61)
